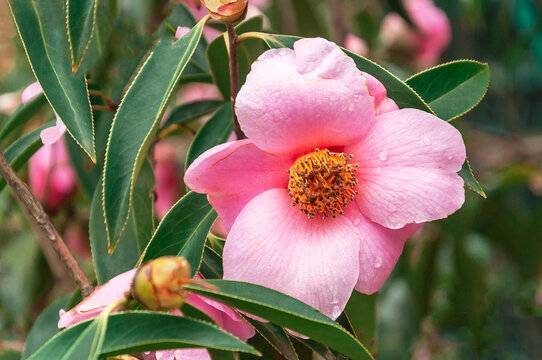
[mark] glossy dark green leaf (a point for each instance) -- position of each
(81, 16)
(277, 337)
(18, 153)
(42, 27)
(361, 312)
(215, 131)
(21, 115)
(187, 112)
(103, 25)
(285, 311)
(88, 174)
(44, 328)
(397, 90)
(135, 332)
(452, 89)
(211, 264)
(137, 121)
(470, 180)
(182, 232)
(247, 52)
(136, 236)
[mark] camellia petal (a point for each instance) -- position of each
(274, 245)
(407, 169)
(382, 103)
(52, 134)
(233, 173)
(30, 92)
(380, 249)
(294, 101)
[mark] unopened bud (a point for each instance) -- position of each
(158, 284)
(228, 11)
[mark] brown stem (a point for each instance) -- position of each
(102, 108)
(43, 225)
(338, 23)
(234, 78)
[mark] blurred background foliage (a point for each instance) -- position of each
(468, 287)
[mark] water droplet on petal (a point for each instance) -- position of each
(426, 141)
(450, 157)
(357, 221)
(335, 312)
(383, 155)
(378, 261)
(378, 170)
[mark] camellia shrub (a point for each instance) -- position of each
(307, 168)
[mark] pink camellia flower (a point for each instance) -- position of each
(30, 92)
(114, 290)
(168, 180)
(428, 41)
(51, 177)
(332, 180)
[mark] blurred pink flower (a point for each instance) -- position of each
(51, 176)
(356, 45)
(114, 290)
(388, 170)
(168, 178)
(428, 41)
(181, 31)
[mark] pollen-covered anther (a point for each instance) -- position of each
(322, 182)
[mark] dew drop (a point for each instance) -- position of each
(378, 170)
(335, 312)
(282, 52)
(378, 262)
(450, 157)
(357, 221)
(426, 141)
(383, 155)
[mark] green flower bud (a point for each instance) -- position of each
(158, 284)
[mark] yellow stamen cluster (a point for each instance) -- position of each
(322, 182)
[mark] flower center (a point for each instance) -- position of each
(322, 182)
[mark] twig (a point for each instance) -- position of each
(43, 225)
(234, 78)
(102, 108)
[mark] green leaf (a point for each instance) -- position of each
(470, 180)
(136, 236)
(247, 52)
(44, 328)
(397, 90)
(211, 264)
(87, 174)
(452, 89)
(21, 115)
(81, 16)
(215, 131)
(135, 332)
(42, 27)
(182, 232)
(187, 112)
(361, 312)
(18, 153)
(285, 311)
(136, 122)
(277, 337)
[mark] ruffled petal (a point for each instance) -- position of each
(382, 103)
(380, 249)
(224, 316)
(51, 134)
(294, 101)
(31, 92)
(407, 169)
(274, 245)
(233, 173)
(96, 302)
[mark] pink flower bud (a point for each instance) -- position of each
(30, 92)
(228, 11)
(158, 284)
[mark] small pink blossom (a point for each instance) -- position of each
(168, 178)
(114, 290)
(51, 177)
(181, 31)
(31, 92)
(52, 134)
(428, 41)
(325, 140)
(356, 45)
